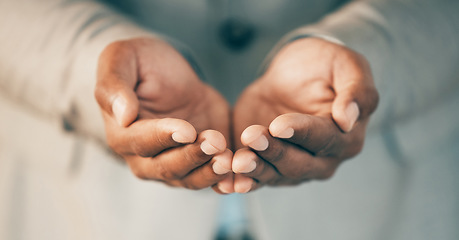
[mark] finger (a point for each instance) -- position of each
(147, 138)
(176, 163)
(247, 163)
(318, 135)
(116, 80)
(226, 185)
(210, 173)
(356, 96)
(288, 159)
(222, 162)
(243, 184)
(244, 161)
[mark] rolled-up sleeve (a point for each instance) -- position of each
(48, 57)
(412, 47)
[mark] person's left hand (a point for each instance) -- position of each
(305, 115)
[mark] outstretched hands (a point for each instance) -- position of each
(167, 124)
(305, 115)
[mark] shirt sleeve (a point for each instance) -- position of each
(48, 57)
(412, 47)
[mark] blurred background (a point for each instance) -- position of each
(59, 180)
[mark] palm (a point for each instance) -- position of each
(168, 87)
(306, 87)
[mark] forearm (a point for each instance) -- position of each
(48, 57)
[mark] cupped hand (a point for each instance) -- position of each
(158, 113)
(306, 114)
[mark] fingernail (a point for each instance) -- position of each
(352, 113)
(180, 138)
(208, 148)
(243, 185)
(243, 167)
(118, 109)
(224, 188)
(226, 185)
(287, 133)
(249, 167)
(260, 144)
(219, 169)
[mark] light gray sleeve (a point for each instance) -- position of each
(48, 57)
(412, 47)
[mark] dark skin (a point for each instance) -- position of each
(305, 115)
(161, 118)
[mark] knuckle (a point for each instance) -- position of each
(259, 169)
(165, 174)
(191, 186)
(327, 174)
(271, 183)
(192, 156)
(161, 141)
(305, 137)
(276, 154)
(329, 145)
(209, 176)
(143, 153)
(138, 172)
(298, 173)
(139, 149)
(305, 169)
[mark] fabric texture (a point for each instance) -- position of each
(58, 180)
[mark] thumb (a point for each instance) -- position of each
(116, 79)
(117, 100)
(125, 108)
(355, 102)
(345, 113)
(356, 95)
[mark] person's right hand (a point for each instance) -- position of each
(158, 116)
